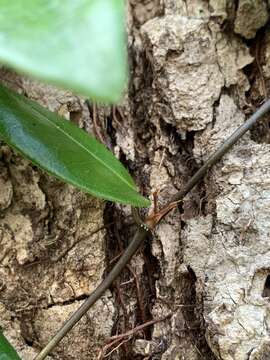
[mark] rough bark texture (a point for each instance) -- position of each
(197, 69)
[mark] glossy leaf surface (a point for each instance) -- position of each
(7, 352)
(64, 150)
(76, 44)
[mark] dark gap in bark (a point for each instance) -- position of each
(259, 86)
(29, 342)
(193, 315)
(144, 129)
(141, 105)
(112, 251)
(256, 45)
(261, 132)
(228, 24)
(188, 146)
(110, 130)
(196, 203)
(127, 318)
(150, 275)
(236, 4)
(75, 116)
(266, 289)
(145, 11)
(27, 327)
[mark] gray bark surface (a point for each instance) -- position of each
(198, 68)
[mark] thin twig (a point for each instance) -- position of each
(142, 232)
(138, 328)
(257, 60)
(116, 348)
(122, 303)
(139, 294)
(129, 334)
(106, 347)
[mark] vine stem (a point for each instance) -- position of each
(142, 231)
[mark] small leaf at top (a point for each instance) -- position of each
(76, 44)
(64, 150)
(7, 352)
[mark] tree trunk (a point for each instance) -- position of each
(197, 69)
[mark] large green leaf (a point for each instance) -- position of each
(64, 150)
(77, 44)
(6, 350)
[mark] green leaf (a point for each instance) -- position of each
(76, 44)
(64, 150)
(6, 350)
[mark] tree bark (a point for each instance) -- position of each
(197, 69)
